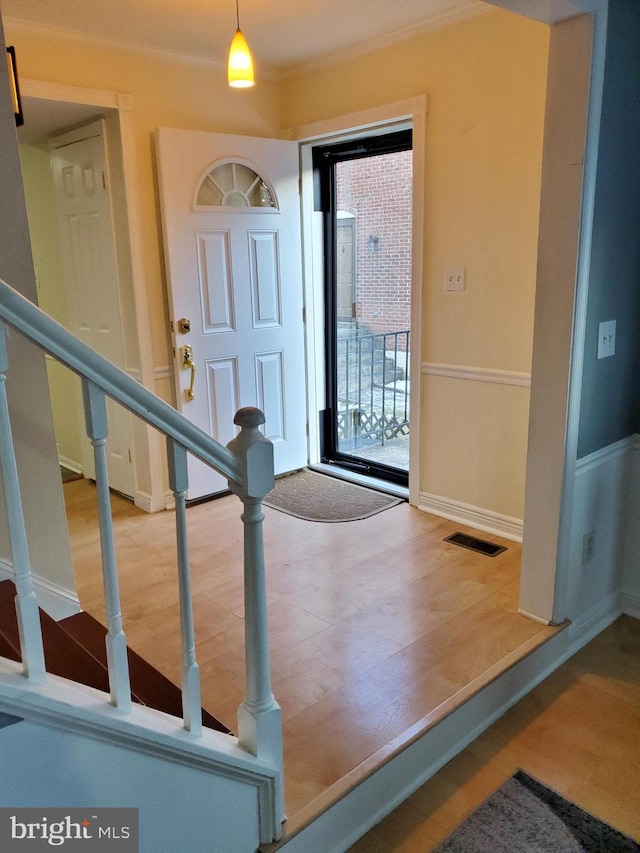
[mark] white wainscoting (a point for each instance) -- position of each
(606, 501)
(468, 512)
(631, 562)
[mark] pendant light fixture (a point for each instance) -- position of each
(240, 65)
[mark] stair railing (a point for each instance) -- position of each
(247, 462)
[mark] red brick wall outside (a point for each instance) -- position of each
(377, 191)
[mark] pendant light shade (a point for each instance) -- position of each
(240, 67)
(240, 64)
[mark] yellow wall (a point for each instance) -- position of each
(165, 92)
(31, 419)
(41, 204)
(485, 80)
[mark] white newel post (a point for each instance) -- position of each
(33, 665)
(259, 716)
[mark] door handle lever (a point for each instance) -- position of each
(188, 363)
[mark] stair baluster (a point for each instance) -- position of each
(247, 462)
(33, 665)
(95, 412)
(179, 482)
(259, 716)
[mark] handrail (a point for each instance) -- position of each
(27, 318)
(247, 462)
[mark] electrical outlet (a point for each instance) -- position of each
(588, 546)
(607, 339)
(454, 278)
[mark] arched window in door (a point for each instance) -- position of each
(235, 184)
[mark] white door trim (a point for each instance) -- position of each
(543, 586)
(599, 11)
(123, 104)
(545, 592)
(411, 112)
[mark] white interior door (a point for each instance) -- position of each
(231, 217)
(91, 278)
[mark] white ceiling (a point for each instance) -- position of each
(285, 36)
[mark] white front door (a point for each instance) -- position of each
(91, 277)
(231, 217)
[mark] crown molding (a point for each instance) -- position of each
(50, 32)
(437, 22)
(54, 33)
(281, 74)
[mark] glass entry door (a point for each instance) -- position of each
(365, 192)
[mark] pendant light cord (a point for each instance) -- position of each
(237, 15)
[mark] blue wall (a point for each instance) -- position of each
(610, 405)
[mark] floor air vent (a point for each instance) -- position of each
(474, 544)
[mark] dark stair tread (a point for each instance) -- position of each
(74, 648)
(7, 650)
(63, 655)
(154, 688)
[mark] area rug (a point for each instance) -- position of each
(316, 497)
(524, 816)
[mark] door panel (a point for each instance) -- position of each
(265, 279)
(216, 291)
(91, 280)
(270, 388)
(223, 396)
(231, 218)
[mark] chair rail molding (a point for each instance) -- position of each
(477, 374)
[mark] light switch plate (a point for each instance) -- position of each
(454, 278)
(607, 339)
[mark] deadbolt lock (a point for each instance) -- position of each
(184, 325)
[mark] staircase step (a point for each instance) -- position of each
(6, 649)
(74, 648)
(63, 656)
(151, 686)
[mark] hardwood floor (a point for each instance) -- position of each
(373, 624)
(578, 732)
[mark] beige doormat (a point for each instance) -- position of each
(316, 497)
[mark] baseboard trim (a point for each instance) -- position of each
(71, 464)
(473, 516)
(58, 601)
(587, 626)
(630, 604)
(146, 502)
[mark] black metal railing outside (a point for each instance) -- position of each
(372, 406)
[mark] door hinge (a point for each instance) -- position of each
(129, 452)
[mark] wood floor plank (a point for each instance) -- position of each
(577, 732)
(372, 623)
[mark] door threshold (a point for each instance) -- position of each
(361, 479)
